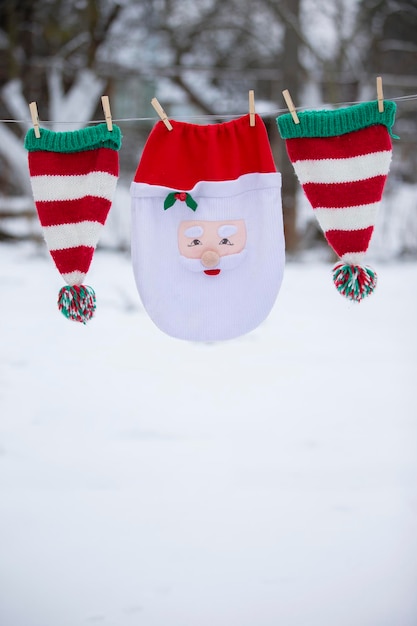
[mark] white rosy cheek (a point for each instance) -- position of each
(193, 265)
(231, 261)
(192, 252)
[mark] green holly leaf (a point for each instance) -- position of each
(190, 202)
(169, 200)
(172, 197)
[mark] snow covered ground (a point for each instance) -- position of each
(266, 481)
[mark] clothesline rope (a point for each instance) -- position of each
(217, 116)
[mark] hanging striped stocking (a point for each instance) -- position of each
(342, 159)
(73, 177)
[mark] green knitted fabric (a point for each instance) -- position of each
(329, 123)
(88, 138)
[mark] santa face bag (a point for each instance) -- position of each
(207, 233)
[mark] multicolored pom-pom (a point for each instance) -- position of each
(355, 282)
(77, 303)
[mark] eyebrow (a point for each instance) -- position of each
(194, 231)
(227, 230)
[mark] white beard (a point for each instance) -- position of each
(191, 304)
(228, 262)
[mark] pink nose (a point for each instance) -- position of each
(210, 258)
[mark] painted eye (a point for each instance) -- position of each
(225, 242)
(195, 242)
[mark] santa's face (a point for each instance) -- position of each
(211, 246)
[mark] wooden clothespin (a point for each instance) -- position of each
(380, 94)
(161, 113)
(251, 108)
(290, 106)
(107, 113)
(35, 118)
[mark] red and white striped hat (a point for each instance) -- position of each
(73, 177)
(342, 159)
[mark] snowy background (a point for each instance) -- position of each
(265, 481)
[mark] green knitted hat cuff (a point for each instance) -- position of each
(88, 138)
(338, 122)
